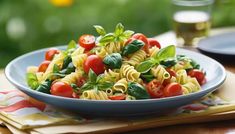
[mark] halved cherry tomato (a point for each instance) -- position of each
(143, 38)
(61, 89)
(43, 66)
(75, 95)
(172, 73)
(87, 41)
(173, 89)
(153, 42)
(155, 89)
(199, 75)
(50, 53)
(95, 63)
(117, 97)
(81, 81)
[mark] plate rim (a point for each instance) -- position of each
(27, 89)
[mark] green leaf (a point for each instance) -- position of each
(66, 61)
(56, 68)
(165, 53)
(132, 47)
(105, 85)
(92, 76)
(119, 29)
(138, 91)
(107, 38)
(45, 87)
(168, 62)
(87, 86)
(69, 69)
(147, 76)
(113, 61)
(100, 30)
(145, 66)
(32, 80)
(128, 33)
(72, 45)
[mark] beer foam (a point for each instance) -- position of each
(191, 16)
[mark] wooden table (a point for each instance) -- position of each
(217, 127)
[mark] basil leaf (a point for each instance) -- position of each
(119, 29)
(100, 30)
(66, 62)
(195, 64)
(128, 33)
(87, 86)
(104, 85)
(72, 45)
(132, 47)
(107, 38)
(45, 87)
(145, 66)
(113, 61)
(168, 62)
(92, 76)
(56, 68)
(69, 69)
(32, 80)
(147, 76)
(165, 53)
(138, 91)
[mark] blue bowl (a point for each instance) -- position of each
(16, 70)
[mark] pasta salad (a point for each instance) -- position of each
(122, 65)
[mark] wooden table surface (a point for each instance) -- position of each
(218, 127)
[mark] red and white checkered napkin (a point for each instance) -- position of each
(24, 112)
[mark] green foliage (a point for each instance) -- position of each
(42, 24)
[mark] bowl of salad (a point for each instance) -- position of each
(120, 73)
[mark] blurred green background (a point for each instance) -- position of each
(27, 25)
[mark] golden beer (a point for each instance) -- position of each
(190, 26)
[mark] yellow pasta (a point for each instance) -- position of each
(32, 69)
(72, 78)
(102, 52)
(94, 95)
(78, 51)
(181, 76)
(78, 60)
(114, 47)
(129, 73)
(121, 86)
(160, 73)
(137, 57)
(110, 75)
(153, 51)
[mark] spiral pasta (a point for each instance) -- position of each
(137, 57)
(114, 47)
(121, 86)
(110, 75)
(39, 76)
(78, 60)
(71, 78)
(182, 65)
(160, 73)
(101, 53)
(181, 76)
(153, 51)
(78, 51)
(129, 73)
(191, 86)
(94, 95)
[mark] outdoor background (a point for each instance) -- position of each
(27, 25)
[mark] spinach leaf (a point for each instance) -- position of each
(45, 87)
(113, 61)
(32, 80)
(138, 91)
(56, 69)
(132, 47)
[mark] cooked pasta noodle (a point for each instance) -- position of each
(101, 53)
(129, 73)
(94, 95)
(160, 73)
(121, 86)
(181, 76)
(32, 69)
(78, 60)
(78, 51)
(137, 57)
(114, 47)
(109, 92)
(71, 78)
(39, 76)
(112, 76)
(153, 51)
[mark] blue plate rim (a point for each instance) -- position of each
(205, 91)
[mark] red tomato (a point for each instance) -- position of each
(153, 42)
(81, 81)
(75, 95)
(87, 41)
(43, 66)
(118, 97)
(95, 63)
(172, 73)
(199, 75)
(50, 53)
(143, 38)
(173, 89)
(61, 89)
(154, 89)
(129, 41)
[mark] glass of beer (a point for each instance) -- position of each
(191, 21)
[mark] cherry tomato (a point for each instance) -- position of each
(61, 89)
(117, 97)
(50, 53)
(172, 73)
(81, 81)
(143, 38)
(95, 63)
(173, 89)
(199, 75)
(153, 42)
(75, 95)
(87, 41)
(154, 89)
(43, 66)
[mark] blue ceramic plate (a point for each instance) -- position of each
(219, 44)
(16, 70)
